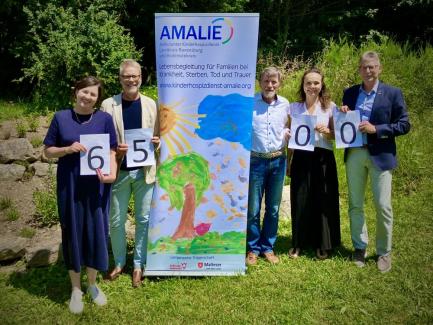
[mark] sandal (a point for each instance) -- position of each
(294, 252)
(321, 254)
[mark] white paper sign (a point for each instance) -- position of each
(97, 154)
(140, 147)
(346, 126)
(302, 130)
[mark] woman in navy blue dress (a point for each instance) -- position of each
(83, 201)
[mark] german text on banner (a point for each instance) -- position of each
(206, 67)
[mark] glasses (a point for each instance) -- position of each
(369, 67)
(131, 76)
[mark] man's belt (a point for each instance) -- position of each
(268, 155)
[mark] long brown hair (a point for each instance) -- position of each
(324, 96)
(87, 82)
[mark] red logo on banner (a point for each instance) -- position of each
(200, 265)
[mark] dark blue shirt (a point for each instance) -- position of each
(131, 113)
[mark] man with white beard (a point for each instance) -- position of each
(267, 166)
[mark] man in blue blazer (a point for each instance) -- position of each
(384, 116)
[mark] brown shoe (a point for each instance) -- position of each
(136, 278)
(114, 274)
(271, 258)
(251, 258)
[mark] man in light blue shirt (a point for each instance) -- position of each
(364, 104)
(384, 117)
(267, 166)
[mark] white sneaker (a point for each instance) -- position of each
(76, 305)
(97, 295)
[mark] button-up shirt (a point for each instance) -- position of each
(364, 104)
(269, 124)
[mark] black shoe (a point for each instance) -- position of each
(359, 256)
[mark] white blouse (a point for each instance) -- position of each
(323, 117)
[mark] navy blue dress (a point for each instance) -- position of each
(83, 202)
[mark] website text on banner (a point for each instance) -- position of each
(206, 67)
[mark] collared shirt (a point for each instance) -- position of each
(269, 124)
(364, 104)
(323, 117)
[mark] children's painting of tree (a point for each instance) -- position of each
(203, 177)
(185, 177)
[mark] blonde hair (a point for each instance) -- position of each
(128, 63)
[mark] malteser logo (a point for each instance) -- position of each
(200, 265)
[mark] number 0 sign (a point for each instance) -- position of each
(346, 126)
(140, 147)
(97, 154)
(302, 129)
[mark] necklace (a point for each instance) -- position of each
(83, 122)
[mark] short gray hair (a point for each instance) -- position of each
(129, 63)
(271, 71)
(369, 55)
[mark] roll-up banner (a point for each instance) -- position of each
(206, 66)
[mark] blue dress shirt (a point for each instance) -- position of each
(269, 124)
(364, 104)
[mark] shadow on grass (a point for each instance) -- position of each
(51, 282)
(284, 243)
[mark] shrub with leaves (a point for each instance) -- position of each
(67, 43)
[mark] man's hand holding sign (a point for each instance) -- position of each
(347, 132)
(141, 149)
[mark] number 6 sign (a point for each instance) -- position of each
(97, 154)
(140, 147)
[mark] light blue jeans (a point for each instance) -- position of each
(358, 166)
(266, 178)
(127, 183)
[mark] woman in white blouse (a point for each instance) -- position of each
(314, 183)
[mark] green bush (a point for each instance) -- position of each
(65, 44)
(46, 213)
(21, 128)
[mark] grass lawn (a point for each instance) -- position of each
(302, 291)
(11, 110)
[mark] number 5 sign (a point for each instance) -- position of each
(346, 126)
(302, 130)
(97, 154)
(140, 147)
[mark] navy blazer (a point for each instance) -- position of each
(389, 116)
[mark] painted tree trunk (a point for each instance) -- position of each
(185, 229)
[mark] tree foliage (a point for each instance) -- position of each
(66, 43)
(288, 28)
(179, 171)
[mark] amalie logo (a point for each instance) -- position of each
(215, 31)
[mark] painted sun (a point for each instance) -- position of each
(177, 127)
